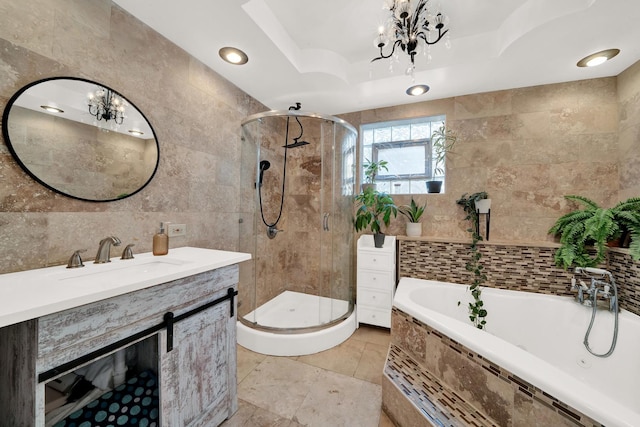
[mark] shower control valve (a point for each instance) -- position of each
(272, 231)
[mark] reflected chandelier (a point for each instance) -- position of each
(104, 104)
(407, 28)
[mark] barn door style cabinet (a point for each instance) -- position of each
(182, 331)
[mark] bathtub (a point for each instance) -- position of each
(539, 338)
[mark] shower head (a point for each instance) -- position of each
(264, 165)
(296, 144)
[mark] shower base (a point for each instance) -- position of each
(295, 310)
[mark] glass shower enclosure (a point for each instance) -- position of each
(297, 180)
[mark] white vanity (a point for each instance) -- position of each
(178, 310)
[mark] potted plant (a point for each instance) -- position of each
(584, 233)
(477, 311)
(371, 170)
(374, 209)
(442, 142)
(413, 212)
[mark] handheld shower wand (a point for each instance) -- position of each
(264, 165)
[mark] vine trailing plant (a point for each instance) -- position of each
(477, 311)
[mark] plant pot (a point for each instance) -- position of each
(414, 229)
(434, 186)
(366, 186)
(378, 240)
(483, 206)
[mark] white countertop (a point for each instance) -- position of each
(35, 293)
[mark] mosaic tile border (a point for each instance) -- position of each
(441, 406)
(423, 385)
(514, 267)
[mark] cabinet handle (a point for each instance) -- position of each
(374, 279)
(374, 260)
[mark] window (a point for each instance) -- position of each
(406, 146)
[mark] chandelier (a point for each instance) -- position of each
(106, 105)
(409, 28)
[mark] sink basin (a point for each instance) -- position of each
(34, 293)
(116, 269)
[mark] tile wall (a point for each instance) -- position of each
(195, 113)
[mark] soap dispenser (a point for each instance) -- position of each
(161, 242)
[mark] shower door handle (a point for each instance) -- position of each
(325, 222)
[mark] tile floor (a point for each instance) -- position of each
(337, 387)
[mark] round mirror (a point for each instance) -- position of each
(81, 139)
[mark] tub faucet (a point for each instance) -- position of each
(598, 286)
(104, 250)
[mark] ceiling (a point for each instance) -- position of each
(319, 52)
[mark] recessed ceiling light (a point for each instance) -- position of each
(52, 109)
(233, 55)
(417, 90)
(136, 132)
(598, 58)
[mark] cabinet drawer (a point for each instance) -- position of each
(376, 279)
(376, 261)
(374, 316)
(374, 299)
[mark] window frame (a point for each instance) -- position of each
(433, 122)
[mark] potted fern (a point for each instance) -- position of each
(584, 233)
(442, 142)
(371, 170)
(413, 212)
(374, 209)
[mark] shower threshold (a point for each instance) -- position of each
(297, 310)
(289, 312)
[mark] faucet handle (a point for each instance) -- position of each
(127, 253)
(75, 261)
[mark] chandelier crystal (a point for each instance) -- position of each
(104, 104)
(408, 28)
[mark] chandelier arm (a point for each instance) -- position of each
(423, 36)
(383, 56)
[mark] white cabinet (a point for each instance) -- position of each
(376, 281)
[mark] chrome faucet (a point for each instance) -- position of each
(598, 286)
(104, 250)
(602, 287)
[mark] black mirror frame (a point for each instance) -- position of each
(7, 140)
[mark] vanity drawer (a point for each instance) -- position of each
(374, 316)
(376, 279)
(376, 299)
(376, 261)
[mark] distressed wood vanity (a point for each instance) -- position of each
(179, 310)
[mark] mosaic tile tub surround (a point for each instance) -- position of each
(514, 267)
(451, 385)
(433, 380)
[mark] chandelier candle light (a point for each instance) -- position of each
(406, 27)
(106, 105)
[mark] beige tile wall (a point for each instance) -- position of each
(195, 113)
(529, 147)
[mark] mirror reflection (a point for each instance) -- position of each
(81, 139)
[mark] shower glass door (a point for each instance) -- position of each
(300, 277)
(337, 189)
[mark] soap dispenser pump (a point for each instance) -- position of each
(161, 242)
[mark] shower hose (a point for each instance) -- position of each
(593, 316)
